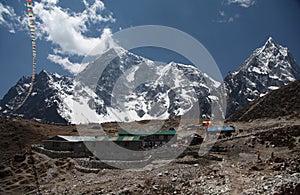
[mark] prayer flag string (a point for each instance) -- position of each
(31, 22)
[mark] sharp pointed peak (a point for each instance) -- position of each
(117, 49)
(270, 39)
(43, 72)
(172, 63)
(270, 42)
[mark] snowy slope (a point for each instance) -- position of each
(268, 68)
(135, 88)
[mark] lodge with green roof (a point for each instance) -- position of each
(129, 139)
(86, 143)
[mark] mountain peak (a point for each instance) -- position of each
(115, 50)
(270, 40)
(269, 67)
(269, 44)
(44, 72)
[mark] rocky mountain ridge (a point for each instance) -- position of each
(269, 67)
(128, 88)
(121, 86)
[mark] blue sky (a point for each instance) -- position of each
(229, 29)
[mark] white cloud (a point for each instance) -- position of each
(222, 13)
(3, 10)
(73, 68)
(66, 30)
(94, 12)
(226, 18)
(50, 1)
(8, 18)
(231, 19)
(242, 3)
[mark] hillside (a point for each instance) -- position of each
(282, 102)
(230, 168)
(17, 135)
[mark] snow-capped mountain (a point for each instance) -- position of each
(268, 68)
(117, 86)
(44, 100)
(144, 89)
(121, 86)
(135, 88)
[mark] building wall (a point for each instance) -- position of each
(130, 145)
(64, 146)
(117, 150)
(104, 146)
(152, 140)
(109, 146)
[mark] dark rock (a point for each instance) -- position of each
(254, 168)
(19, 157)
(5, 171)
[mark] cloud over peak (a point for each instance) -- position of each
(66, 30)
(72, 67)
(70, 33)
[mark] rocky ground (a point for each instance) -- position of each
(231, 167)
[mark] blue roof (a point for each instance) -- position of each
(223, 128)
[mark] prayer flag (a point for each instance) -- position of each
(29, 4)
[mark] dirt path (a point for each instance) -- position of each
(234, 175)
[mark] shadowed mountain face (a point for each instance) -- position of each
(44, 100)
(268, 68)
(278, 103)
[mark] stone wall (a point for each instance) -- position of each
(59, 154)
(92, 164)
(111, 164)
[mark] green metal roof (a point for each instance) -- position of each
(140, 132)
(118, 138)
(124, 138)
